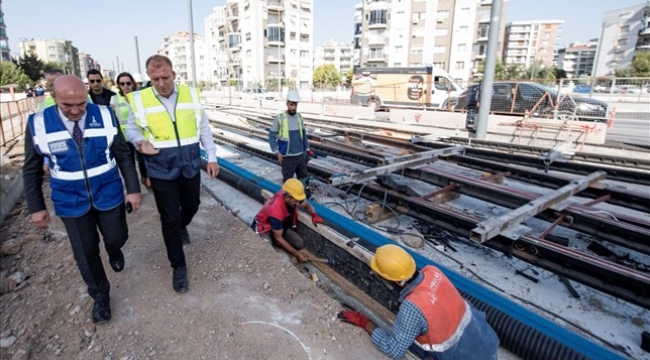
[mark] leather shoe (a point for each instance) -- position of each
(180, 279)
(101, 311)
(185, 236)
(117, 262)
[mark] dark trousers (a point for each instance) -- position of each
(84, 240)
(289, 234)
(177, 202)
(142, 167)
(294, 164)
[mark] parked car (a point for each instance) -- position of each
(256, 94)
(515, 98)
(627, 89)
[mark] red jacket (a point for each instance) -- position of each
(446, 311)
(274, 207)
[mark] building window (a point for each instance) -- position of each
(442, 14)
(442, 31)
(439, 65)
(483, 31)
(625, 28)
(463, 30)
(462, 47)
(248, 36)
(464, 13)
(275, 33)
(439, 49)
(417, 50)
(460, 65)
(377, 17)
(622, 42)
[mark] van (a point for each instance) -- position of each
(404, 87)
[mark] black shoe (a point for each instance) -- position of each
(101, 311)
(116, 262)
(185, 236)
(180, 279)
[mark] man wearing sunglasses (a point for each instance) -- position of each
(278, 218)
(98, 94)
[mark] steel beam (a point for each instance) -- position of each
(410, 160)
(490, 228)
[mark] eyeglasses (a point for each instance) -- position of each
(95, 81)
(126, 83)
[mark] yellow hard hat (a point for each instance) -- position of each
(393, 263)
(294, 188)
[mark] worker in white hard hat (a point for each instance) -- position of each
(289, 142)
(433, 321)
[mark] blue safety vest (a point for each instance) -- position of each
(79, 179)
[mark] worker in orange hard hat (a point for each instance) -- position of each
(279, 216)
(433, 320)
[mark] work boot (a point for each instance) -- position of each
(185, 236)
(181, 284)
(101, 311)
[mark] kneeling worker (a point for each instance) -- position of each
(279, 216)
(433, 320)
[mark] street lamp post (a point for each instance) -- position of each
(192, 63)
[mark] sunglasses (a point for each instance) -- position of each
(126, 83)
(94, 81)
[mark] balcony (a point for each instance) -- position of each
(233, 14)
(644, 31)
(275, 5)
(377, 25)
(376, 40)
(275, 35)
(376, 57)
(275, 59)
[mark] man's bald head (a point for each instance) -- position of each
(70, 96)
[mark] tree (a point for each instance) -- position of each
(348, 75)
(326, 75)
(538, 71)
(641, 64)
(513, 72)
(10, 73)
(559, 73)
(624, 72)
(31, 66)
(54, 65)
(499, 70)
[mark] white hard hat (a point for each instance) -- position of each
(293, 96)
(137, 77)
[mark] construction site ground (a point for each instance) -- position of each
(246, 300)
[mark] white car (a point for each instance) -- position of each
(256, 94)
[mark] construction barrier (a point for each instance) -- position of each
(13, 117)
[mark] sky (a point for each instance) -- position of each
(108, 32)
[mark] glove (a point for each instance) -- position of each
(354, 318)
(315, 219)
(310, 155)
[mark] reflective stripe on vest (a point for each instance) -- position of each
(44, 140)
(121, 109)
(158, 125)
(446, 311)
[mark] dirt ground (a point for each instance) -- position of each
(246, 300)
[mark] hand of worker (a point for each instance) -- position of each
(315, 219)
(301, 257)
(354, 318)
(147, 148)
(213, 169)
(41, 218)
(279, 156)
(135, 199)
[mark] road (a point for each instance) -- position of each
(633, 129)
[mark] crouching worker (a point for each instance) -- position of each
(433, 320)
(279, 217)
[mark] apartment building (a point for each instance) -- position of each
(577, 58)
(332, 52)
(177, 48)
(58, 51)
(528, 43)
(86, 62)
(266, 42)
(448, 34)
(216, 55)
(623, 32)
(4, 40)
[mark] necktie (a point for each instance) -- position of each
(77, 135)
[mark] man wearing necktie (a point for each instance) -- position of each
(85, 149)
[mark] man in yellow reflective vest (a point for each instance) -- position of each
(166, 125)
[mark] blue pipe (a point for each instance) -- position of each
(467, 287)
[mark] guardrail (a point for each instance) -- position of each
(14, 117)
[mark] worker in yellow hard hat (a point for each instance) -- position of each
(433, 320)
(279, 216)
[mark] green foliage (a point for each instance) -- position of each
(513, 72)
(32, 67)
(538, 71)
(348, 75)
(272, 83)
(624, 72)
(233, 82)
(499, 70)
(54, 65)
(10, 73)
(641, 64)
(326, 75)
(559, 73)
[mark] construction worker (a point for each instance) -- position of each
(289, 142)
(98, 94)
(279, 216)
(433, 320)
(127, 84)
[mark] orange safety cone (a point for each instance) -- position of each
(612, 116)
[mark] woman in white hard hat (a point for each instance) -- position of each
(433, 321)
